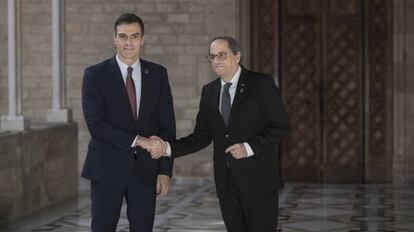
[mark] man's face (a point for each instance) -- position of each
(224, 63)
(128, 41)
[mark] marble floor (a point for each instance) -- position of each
(191, 206)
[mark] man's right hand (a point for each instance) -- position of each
(154, 145)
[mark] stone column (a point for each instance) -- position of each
(14, 121)
(403, 160)
(244, 32)
(59, 112)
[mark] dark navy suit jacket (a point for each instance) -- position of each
(110, 158)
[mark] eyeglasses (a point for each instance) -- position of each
(220, 56)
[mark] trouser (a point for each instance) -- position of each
(252, 213)
(107, 203)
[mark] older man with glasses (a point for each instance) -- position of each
(242, 112)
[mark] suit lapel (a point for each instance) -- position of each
(215, 96)
(145, 87)
(238, 97)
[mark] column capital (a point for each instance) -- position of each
(59, 115)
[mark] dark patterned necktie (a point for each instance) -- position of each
(130, 86)
(225, 103)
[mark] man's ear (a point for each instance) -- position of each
(142, 40)
(238, 55)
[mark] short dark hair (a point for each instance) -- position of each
(128, 19)
(233, 44)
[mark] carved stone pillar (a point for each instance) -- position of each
(14, 121)
(59, 112)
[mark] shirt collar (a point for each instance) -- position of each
(123, 67)
(235, 78)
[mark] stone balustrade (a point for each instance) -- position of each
(38, 168)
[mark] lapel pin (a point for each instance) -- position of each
(242, 89)
(146, 71)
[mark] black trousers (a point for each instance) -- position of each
(253, 213)
(107, 202)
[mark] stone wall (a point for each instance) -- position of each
(403, 164)
(177, 33)
(38, 168)
(36, 57)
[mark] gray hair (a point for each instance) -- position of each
(233, 44)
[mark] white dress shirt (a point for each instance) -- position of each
(136, 76)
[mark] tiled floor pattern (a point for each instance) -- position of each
(353, 208)
(191, 206)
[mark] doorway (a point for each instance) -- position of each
(333, 62)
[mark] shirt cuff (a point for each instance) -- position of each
(135, 140)
(168, 151)
(248, 149)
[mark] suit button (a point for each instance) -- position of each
(227, 136)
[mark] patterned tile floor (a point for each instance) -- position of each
(192, 206)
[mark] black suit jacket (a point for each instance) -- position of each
(257, 117)
(108, 116)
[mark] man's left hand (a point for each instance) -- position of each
(238, 151)
(163, 184)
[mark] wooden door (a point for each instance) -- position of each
(322, 70)
(332, 59)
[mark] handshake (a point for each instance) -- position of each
(154, 145)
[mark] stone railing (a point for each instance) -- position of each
(38, 168)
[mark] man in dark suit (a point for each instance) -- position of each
(126, 99)
(242, 112)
